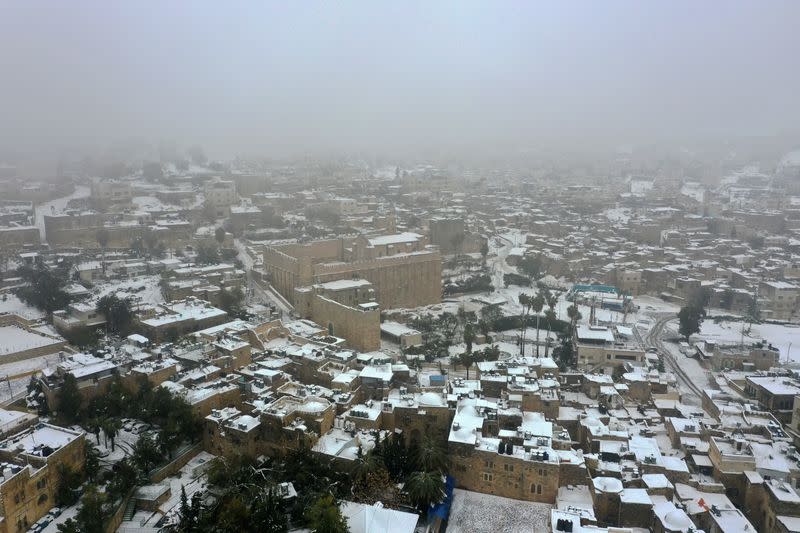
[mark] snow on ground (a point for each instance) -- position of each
(28, 365)
(16, 339)
(619, 215)
(67, 513)
(13, 389)
(57, 206)
(781, 336)
(142, 288)
(473, 512)
(9, 303)
(689, 365)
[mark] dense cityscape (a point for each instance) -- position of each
(192, 346)
(399, 267)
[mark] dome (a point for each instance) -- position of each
(607, 484)
(431, 398)
(677, 520)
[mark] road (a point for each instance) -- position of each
(654, 339)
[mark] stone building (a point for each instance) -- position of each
(402, 270)
(30, 476)
(780, 298)
(107, 192)
(519, 463)
(221, 195)
(15, 237)
(346, 308)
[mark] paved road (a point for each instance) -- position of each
(654, 339)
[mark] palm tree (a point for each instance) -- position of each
(365, 465)
(552, 301)
(469, 336)
(102, 240)
(574, 315)
(430, 456)
(425, 488)
(525, 301)
(537, 304)
(466, 359)
(550, 317)
(111, 427)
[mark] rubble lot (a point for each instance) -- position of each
(473, 512)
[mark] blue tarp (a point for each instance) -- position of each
(442, 509)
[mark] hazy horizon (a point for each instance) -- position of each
(284, 78)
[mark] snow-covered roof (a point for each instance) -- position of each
(362, 518)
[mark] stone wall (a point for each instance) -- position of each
(403, 281)
(361, 329)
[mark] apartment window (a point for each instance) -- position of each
(538, 489)
(488, 464)
(508, 468)
(487, 476)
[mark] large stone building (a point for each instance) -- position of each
(30, 475)
(107, 192)
(780, 297)
(346, 308)
(403, 271)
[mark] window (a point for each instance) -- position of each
(608, 356)
(487, 476)
(508, 468)
(538, 489)
(488, 464)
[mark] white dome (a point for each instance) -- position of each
(677, 520)
(607, 484)
(431, 398)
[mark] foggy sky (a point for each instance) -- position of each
(297, 76)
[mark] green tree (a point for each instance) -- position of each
(574, 315)
(118, 313)
(526, 302)
(230, 301)
(395, 458)
(188, 521)
(430, 456)
(69, 481)
(466, 359)
(469, 335)
(207, 254)
(69, 400)
(44, 287)
(111, 427)
(531, 266)
(537, 304)
(146, 454)
(102, 240)
(267, 512)
(123, 479)
(91, 514)
(91, 463)
(690, 317)
(324, 516)
(425, 488)
(219, 235)
(448, 324)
